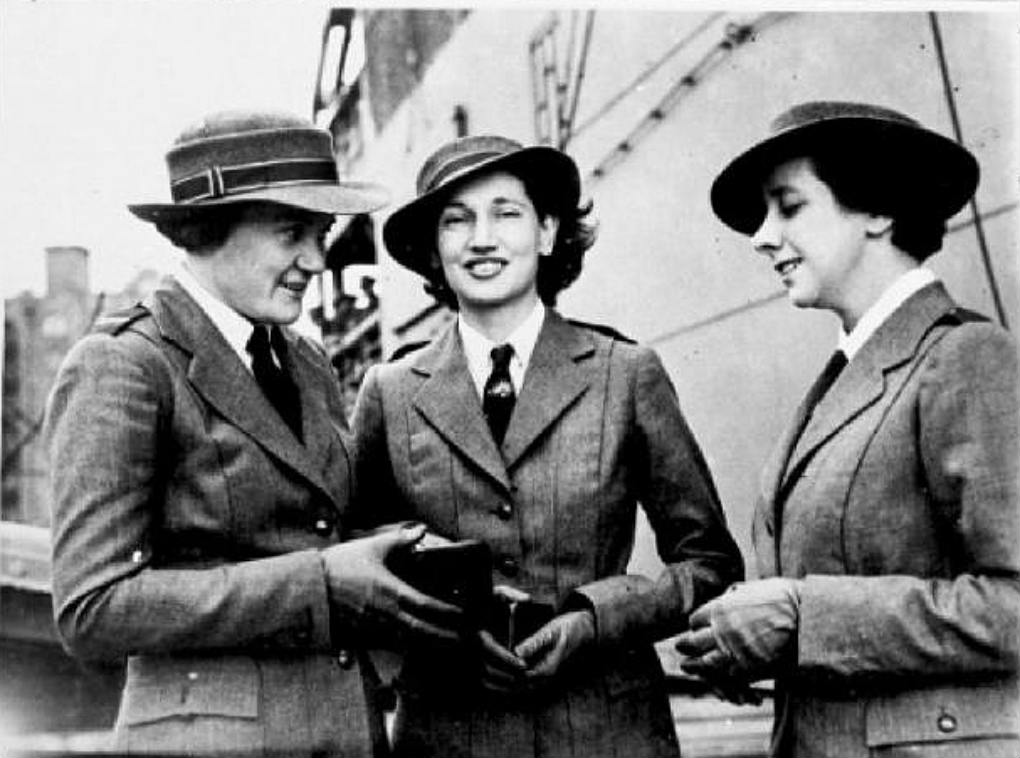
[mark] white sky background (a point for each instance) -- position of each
(92, 92)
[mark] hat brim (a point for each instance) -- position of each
(347, 198)
(939, 174)
(408, 230)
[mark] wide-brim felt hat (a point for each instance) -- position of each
(253, 156)
(932, 172)
(410, 231)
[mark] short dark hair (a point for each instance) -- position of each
(850, 174)
(206, 230)
(556, 271)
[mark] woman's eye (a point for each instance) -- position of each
(294, 233)
(508, 213)
(788, 210)
(452, 219)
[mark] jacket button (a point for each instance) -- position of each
(504, 510)
(345, 659)
(946, 723)
(508, 566)
(323, 527)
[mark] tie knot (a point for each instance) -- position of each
(501, 355)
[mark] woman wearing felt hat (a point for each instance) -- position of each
(887, 530)
(539, 437)
(200, 476)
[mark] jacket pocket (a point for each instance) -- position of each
(941, 714)
(162, 688)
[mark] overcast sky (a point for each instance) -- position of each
(92, 93)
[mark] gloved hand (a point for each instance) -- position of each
(746, 634)
(502, 670)
(560, 640)
(367, 595)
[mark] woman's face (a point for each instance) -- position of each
(815, 245)
(489, 240)
(265, 265)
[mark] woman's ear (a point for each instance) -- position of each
(547, 234)
(877, 226)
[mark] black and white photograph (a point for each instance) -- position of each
(510, 380)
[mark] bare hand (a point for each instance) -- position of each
(363, 589)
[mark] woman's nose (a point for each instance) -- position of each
(481, 234)
(312, 257)
(766, 239)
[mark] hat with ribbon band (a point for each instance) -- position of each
(931, 172)
(235, 157)
(410, 231)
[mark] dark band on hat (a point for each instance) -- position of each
(221, 181)
(457, 165)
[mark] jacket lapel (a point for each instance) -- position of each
(316, 416)
(863, 381)
(449, 402)
(553, 381)
(218, 375)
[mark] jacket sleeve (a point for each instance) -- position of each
(107, 428)
(674, 486)
(966, 623)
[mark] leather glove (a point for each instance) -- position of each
(365, 594)
(562, 639)
(502, 671)
(745, 634)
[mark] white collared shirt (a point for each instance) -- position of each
(234, 327)
(893, 297)
(477, 348)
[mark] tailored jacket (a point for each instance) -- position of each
(899, 507)
(187, 520)
(596, 429)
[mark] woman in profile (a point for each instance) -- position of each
(887, 531)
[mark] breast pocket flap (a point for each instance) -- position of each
(941, 714)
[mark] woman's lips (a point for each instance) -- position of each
(787, 267)
(485, 268)
(297, 288)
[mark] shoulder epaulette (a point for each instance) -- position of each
(116, 322)
(403, 350)
(604, 330)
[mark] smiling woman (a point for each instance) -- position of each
(887, 528)
(489, 243)
(538, 437)
(263, 264)
(200, 473)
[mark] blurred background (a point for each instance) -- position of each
(650, 103)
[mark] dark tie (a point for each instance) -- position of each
(275, 382)
(498, 397)
(825, 380)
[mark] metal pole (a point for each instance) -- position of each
(979, 229)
